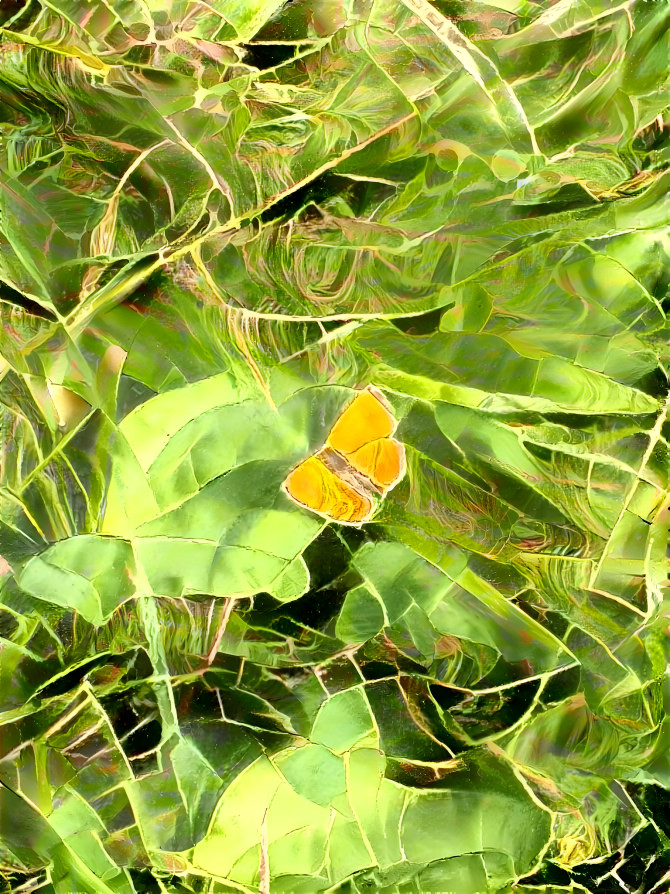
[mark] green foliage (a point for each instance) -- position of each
(216, 222)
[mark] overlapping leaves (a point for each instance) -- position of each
(217, 221)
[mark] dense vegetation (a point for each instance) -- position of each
(217, 221)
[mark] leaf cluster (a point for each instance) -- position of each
(217, 221)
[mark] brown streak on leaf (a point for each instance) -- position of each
(264, 863)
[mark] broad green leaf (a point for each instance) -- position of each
(429, 603)
(367, 820)
(92, 575)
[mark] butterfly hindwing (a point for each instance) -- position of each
(312, 484)
(382, 461)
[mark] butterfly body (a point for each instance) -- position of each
(359, 463)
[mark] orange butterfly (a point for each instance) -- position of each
(357, 467)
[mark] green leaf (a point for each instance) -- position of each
(92, 575)
(373, 822)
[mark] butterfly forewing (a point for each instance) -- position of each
(366, 419)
